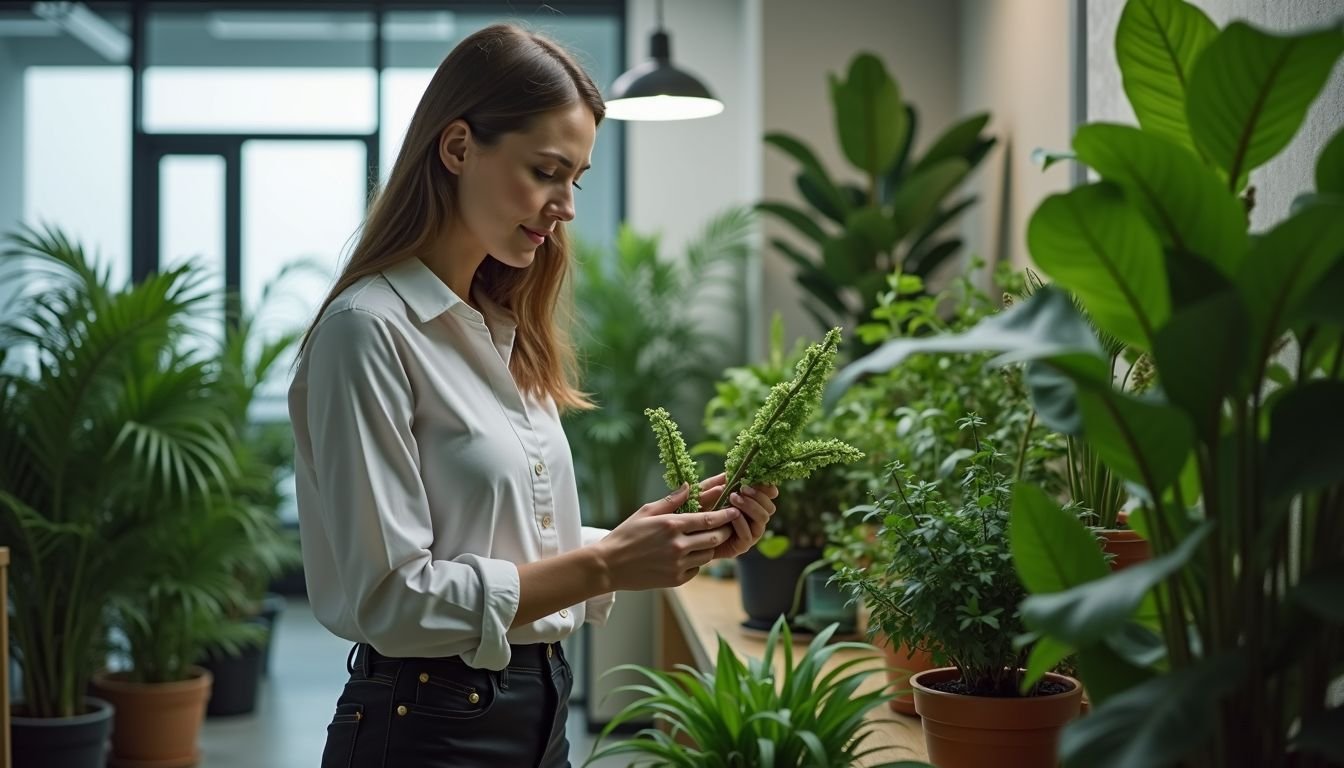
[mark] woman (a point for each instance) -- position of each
(437, 499)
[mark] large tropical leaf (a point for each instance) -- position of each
(1093, 242)
(1250, 90)
(1184, 201)
(870, 117)
(1156, 45)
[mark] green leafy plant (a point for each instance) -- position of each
(944, 581)
(215, 562)
(642, 342)
(755, 715)
(861, 233)
(1220, 650)
(107, 431)
(771, 448)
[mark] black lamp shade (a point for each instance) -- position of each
(656, 90)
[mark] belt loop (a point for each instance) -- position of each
(350, 659)
(504, 679)
(368, 663)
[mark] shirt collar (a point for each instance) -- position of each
(423, 291)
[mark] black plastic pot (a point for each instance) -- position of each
(62, 742)
(768, 584)
(237, 679)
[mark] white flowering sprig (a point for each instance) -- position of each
(680, 467)
(769, 451)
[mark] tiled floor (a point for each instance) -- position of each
(288, 728)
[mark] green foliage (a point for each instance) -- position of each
(945, 583)
(768, 419)
(761, 714)
(858, 234)
(643, 342)
(108, 433)
(681, 468)
(1218, 651)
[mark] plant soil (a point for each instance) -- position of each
(959, 687)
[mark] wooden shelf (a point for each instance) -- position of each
(692, 617)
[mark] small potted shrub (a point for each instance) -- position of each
(751, 715)
(947, 586)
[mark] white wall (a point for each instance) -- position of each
(1015, 63)
(1284, 177)
(679, 174)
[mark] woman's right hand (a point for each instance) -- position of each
(656, 548)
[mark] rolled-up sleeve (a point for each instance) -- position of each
(375, 510)
(596, 610)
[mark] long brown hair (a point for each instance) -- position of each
(498, 80)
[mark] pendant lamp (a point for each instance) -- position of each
(656, 90)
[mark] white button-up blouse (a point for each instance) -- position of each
(424, 476)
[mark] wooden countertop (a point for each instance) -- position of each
(692, 617)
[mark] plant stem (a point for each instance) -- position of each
(736, 479)
(1022, 446)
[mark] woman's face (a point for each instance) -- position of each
(512, 195)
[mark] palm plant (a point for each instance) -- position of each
(756, 715)
(643, 344)
(104, 430)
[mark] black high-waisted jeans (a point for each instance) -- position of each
(441, 713)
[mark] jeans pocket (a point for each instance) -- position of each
(458, 694)
(341, 735)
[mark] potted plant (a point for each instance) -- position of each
(264, 453)
(946, 586)
(102, 425)
(200, 597)
(1220, 650)
(756, 714)
(855, 235)
(765, 413)
(641, 340)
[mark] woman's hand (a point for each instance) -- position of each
(657, 548)
(756, 503)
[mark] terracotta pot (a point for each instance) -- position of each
(1128, 547)
(976, 731)
(901, 664)
(157, 724)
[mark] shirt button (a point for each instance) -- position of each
(539, 468)
(545, 521)
(564, 613)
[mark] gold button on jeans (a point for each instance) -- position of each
(401, 709)
(474, 698)
(424, 677)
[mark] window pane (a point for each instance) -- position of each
(260, 71)
(77, 158)
(191, 230)
(302, 203)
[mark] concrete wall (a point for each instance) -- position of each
(1287, 175)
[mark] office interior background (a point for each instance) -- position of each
(245, 139)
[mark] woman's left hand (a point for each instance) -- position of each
(756, 502)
